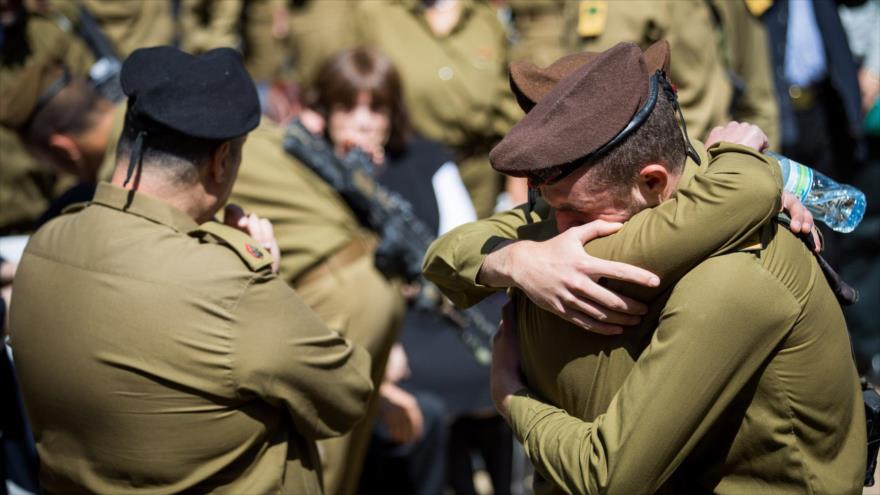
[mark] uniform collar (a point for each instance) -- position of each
(143, 205)
(691, 168)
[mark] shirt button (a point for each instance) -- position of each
(445, 73)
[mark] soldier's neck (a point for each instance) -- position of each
(190, 198)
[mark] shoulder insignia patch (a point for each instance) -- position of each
(758, 7)
(592, 16)
(255, 257)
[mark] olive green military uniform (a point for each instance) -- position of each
(700, 70)
(744, 50)
(208, 24)
(714, 212)
(328, 258)
(319, 29)
(132, 24)
(164, 355)
(27, 186)
(455, 87)
(245, 26)
(264, 53)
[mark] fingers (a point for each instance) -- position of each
(621, 271)
(817, 240)
(801, 218)
(597, 228)
(714, 136)
(588, 323)
(741, 133)
(232, 215)
(605, 311)
(606, 302)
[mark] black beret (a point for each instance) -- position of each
(585, 109)
(208, 96)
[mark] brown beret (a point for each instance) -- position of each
(530, 83)
(583, 111)
(22, 94)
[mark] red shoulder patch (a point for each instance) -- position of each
(254, 251)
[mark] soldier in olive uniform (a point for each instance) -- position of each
(328, 257)
(451, 56)
(255, 27)
(737, 341)
(165, 355)
(132, 24)
(26, 185)
(716, 80)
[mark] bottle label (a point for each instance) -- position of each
(799, 180)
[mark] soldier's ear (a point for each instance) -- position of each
(222, 163)
(64, 146)
(654, 182)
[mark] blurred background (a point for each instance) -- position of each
(805, 71)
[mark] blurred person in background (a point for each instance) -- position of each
(132, 24)
(861, 248)
(722, 68)
(69, 127)
(451, 55)
(27, 184)
(432, 379)
(817, 89)
(256, 28)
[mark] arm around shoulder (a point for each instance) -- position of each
(453, 261)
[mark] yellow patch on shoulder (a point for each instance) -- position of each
(758, 7)
(592, 17)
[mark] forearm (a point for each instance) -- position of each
(454, 261)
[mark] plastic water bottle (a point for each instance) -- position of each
(839, 206)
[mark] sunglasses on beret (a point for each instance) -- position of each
(658, 80)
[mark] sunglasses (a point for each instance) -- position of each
(552, 175)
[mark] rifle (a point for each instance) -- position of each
(404, 239)
(104, 73)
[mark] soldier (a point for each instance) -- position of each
(132, 24)
(172, 358)
(327, 256)
(27, 186)
(256, 28)
(680, 407)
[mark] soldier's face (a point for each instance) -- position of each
(578, 203)
(580, 198)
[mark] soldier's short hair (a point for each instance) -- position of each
(658, 139)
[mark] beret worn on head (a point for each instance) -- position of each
(209, 96)
(530, 83)
(582, 112)
(24, 93)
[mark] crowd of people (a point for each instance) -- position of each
(199, 309)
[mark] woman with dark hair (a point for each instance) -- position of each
(360, 97)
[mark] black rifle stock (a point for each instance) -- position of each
(104, 73)
(404, 239)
